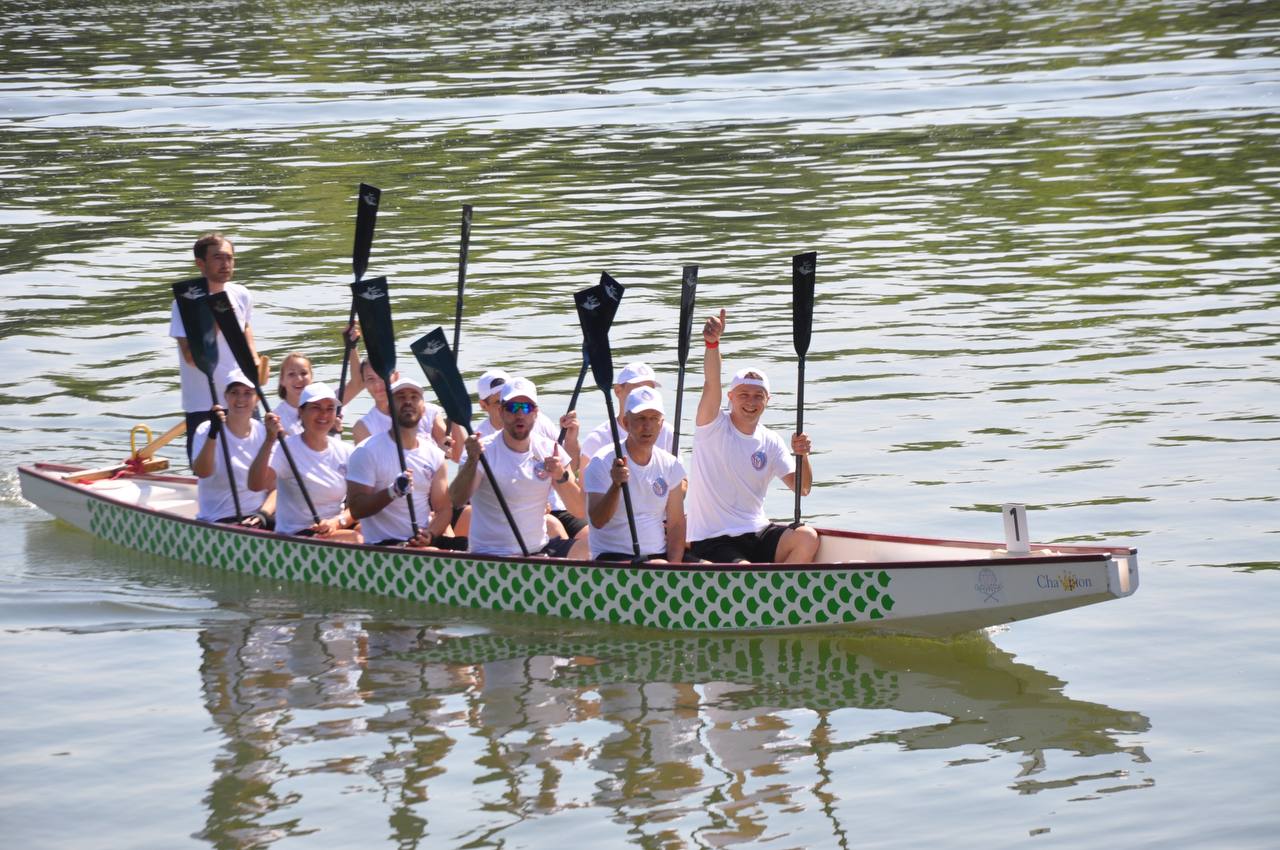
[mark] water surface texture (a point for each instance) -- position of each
(1048, 237)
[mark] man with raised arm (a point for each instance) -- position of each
(378, 489)
(734, 459)
(655, 479)
(527, 466)
(216, 260)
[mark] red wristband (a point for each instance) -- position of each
(711, 344)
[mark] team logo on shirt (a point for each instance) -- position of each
(659, 486)
(759, 459)
(540, 470)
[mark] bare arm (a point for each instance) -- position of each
(801, 447)
(205, 463)
(602, 506)
(676, 523)
(709, 403)
(261, 475)
(565, 482)
(441, 504)
(463, 487)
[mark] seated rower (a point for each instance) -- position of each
(322, 463)
(378, 488)
(528, 466)
(378, 419)
(734, 459)
(656, 480)
(243, 435)
(632, 376)
(560, 521)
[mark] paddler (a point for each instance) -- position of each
(655, 479)
(378, 487)
(244, 436)
(631, 377)
(734, 460)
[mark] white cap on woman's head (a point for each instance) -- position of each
(644, 398)
(635, 373)
(237, 376)
(520, 388)
(750, 377)
(490, 382)
(316, 391)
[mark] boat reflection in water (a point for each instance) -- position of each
(659, 735)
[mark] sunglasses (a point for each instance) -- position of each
(519, 407)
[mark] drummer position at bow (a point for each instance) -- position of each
(734, 459)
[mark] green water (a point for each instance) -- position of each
(1047, 238)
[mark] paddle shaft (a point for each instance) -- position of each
(348, 346)
(226, 451)
(799, 430)
(463, 248)
(577, 391)
(288, 456)
(688, 288)
(626, 491)
(395, 432)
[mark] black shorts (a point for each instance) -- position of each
(452, 544)
(627, 556)
(760, 547)
(572, 522)
(557, 547)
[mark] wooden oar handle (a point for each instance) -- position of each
(163, 440)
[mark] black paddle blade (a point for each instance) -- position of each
(366, 217)
(688, 288)
(192, 297)
(803, 267)
(595, 314)
(437, 362)
(611, 296)
(373, 306)
(224, 314)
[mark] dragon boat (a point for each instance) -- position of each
(861, 581)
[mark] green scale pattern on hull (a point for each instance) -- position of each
(666, 599)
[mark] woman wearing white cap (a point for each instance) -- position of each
(734, 460)
(322, 463)
(244, 436)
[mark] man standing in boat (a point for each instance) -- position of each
(655, 479)
(378, 489)
(734, 459)
(216, 260)
(528, 466)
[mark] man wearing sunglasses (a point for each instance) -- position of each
(735, 458)
(528, 467)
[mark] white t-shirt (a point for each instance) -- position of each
(325, 474)
(213, 494)
(729, 477)
(649, 486)
(543, 427)
(375, 463)
(195, 387)
(602, 436)
(377, 422)
(525, 484)
(288, 418)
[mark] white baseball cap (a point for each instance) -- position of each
(490, 382)
(315, 391)
(644, 398)
(520, 388)
(634, 373)
(743, 377)
(236, 376)
(401, 383)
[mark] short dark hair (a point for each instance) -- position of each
(203, 243)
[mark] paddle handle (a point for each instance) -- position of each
(799, 430)
(163, 440)
(413, 513)
(347, 347)
(464, 248)
(675, 428)
(288, 456)
(573, 399)
(226, 453)
(626, 491)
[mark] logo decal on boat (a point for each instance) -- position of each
(590, 303)
(988, 585)
(659, 486)
(193, 293)
(1068, 581)
(759, 459)
(373, 293)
